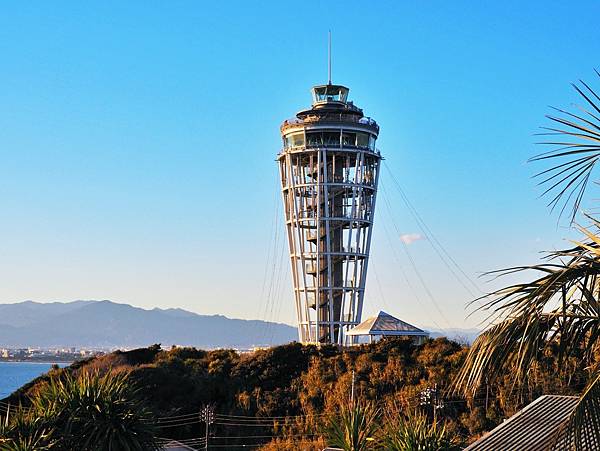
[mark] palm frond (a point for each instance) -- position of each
(567, 181)
(581, 430)
(414, 432)
(560, 307)
(355, 429)
(92, 411)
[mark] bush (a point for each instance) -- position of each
(414, 433)
(22, 430)
(85, 413)
(355, 429)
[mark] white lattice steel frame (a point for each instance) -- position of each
(329, 169)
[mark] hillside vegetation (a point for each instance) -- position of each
(288, 394)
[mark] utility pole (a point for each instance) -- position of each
(487, 394)
(431, 400)
(435, 404)
(207, 415)
(352, 390)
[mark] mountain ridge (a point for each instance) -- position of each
(107, 324)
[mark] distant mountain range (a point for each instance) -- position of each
(107, 324)
(466, 336)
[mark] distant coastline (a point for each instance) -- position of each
(40, 361)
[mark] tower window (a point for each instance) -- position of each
(371, 142)
(330, 93)
(362, 140)
(331, 139)
(314, 139)
(294, 140)
(349, 139)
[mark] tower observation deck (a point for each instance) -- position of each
(329, 169)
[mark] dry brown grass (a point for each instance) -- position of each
(317, 444)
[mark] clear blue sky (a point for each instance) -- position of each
(137, 143)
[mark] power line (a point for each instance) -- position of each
(257, 422)
(256, 425)
(262, 303)
(264, 436)
(412, 289)
(426, 230)
(174, 417)
(279, 286)
(273, 416)
(274, 281)
(174, 425)
(413, 264)
(257, 445)
(226, 420)
(272, 266)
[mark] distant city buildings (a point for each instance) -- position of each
(50, 355)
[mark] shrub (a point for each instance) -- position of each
(95, 413)
(355, 428)
(414, 433)
(21, 430)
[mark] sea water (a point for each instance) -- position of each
(16, 374)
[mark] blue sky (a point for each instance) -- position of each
(137, 144)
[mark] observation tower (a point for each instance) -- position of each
(329, 169)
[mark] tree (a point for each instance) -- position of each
(560, 308)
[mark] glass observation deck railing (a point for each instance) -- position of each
(308, 188)
(374, 150)
(329, 118)
(332, 147)
(361, 215)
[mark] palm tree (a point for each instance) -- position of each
(415, 433)
(355, 427)
(21, 430)
(95, 413)
(560, 307)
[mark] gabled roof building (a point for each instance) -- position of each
(385, 325)
(540, 426)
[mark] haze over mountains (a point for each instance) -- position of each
(108, 324)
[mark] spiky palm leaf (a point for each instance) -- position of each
(577, 149)
(355, 428)
(581, 429)
(560, 308)
(96, 413)
(415, 433)
(22, 430)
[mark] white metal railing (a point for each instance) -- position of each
(329, 118)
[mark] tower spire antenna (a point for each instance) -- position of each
(329, 57)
